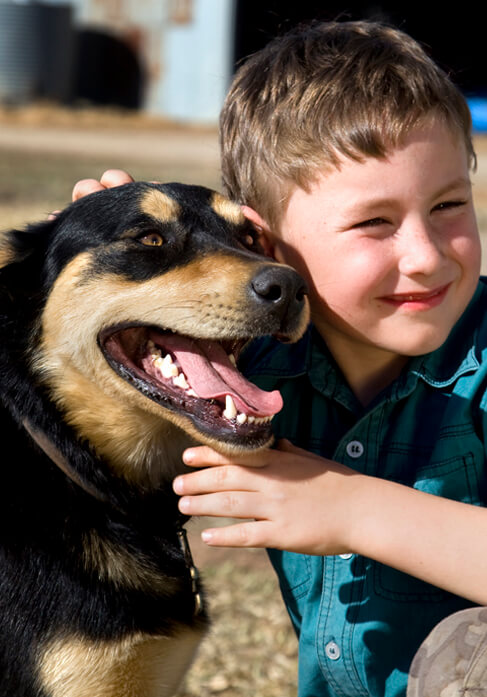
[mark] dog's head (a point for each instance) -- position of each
(143, 297)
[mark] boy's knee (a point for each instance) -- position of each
(452, 660)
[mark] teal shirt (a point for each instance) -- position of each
(360, 622)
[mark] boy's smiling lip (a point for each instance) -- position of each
(424, 300)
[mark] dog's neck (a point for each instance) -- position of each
(56, 456)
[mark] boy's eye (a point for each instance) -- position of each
(151, 239)
(446, 205)
(372, 222)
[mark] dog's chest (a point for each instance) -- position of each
(137, 666)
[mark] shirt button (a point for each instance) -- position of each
(355, 448)
(332, 650)
(346, 556)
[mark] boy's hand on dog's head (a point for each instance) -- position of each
(109, 179)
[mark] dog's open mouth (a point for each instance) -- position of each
(195, 377)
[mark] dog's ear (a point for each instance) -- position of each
(17, 246)
(22, 255)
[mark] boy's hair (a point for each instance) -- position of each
(321, 92)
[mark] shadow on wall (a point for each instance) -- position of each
(43, 56)
(107, 71)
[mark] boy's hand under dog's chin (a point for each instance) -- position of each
(109, 179)
(295, 500)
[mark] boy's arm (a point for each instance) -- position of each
(303, 503)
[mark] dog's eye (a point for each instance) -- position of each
(153, 239)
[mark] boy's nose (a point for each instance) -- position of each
(421, 251)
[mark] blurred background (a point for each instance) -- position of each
(87, 85)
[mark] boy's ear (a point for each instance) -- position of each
(262, 228)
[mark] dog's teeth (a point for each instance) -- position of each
(263, 419)
(230, 408)
(168, 368)
(232, 359)
(191, 392)
(180, 381)
(251, 419)
(150, 345)
(241, 418)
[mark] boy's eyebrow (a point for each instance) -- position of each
(371, 203)
(455, 184)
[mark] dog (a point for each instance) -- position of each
(121, 323)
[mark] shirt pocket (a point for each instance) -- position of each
(294, 572)
(454, 478)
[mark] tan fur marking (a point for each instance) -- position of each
(7, 255)
(158, 205)
(227, 209)
(137, 666)
(115, 564)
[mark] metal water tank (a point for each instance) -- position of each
(20, 51)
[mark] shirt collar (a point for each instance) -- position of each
(459, 354)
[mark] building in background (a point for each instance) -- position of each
(173, 58)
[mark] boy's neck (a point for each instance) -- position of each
(367, 369)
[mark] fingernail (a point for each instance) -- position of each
(206, 535)
(184, 505)
(188, 456)
(178, 485)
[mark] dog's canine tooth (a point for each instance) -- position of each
(230, 408)
(232, 359)
(180, 381)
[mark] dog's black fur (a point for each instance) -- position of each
(95, 595)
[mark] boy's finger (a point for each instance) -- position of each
(203, 456)
(249, 534)
(85, 187)
(214, 479)
(225, 504)
(115, 177)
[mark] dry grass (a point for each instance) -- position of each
(250, 649)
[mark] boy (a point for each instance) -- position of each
(350, 152)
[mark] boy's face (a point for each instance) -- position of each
(390, 247)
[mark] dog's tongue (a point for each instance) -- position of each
(211, 375)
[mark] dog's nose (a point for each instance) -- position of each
(281, 287)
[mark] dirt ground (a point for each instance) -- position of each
(251, 649)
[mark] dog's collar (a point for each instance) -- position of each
(56, 456)
(193, 571)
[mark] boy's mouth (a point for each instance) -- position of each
(424, 300)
